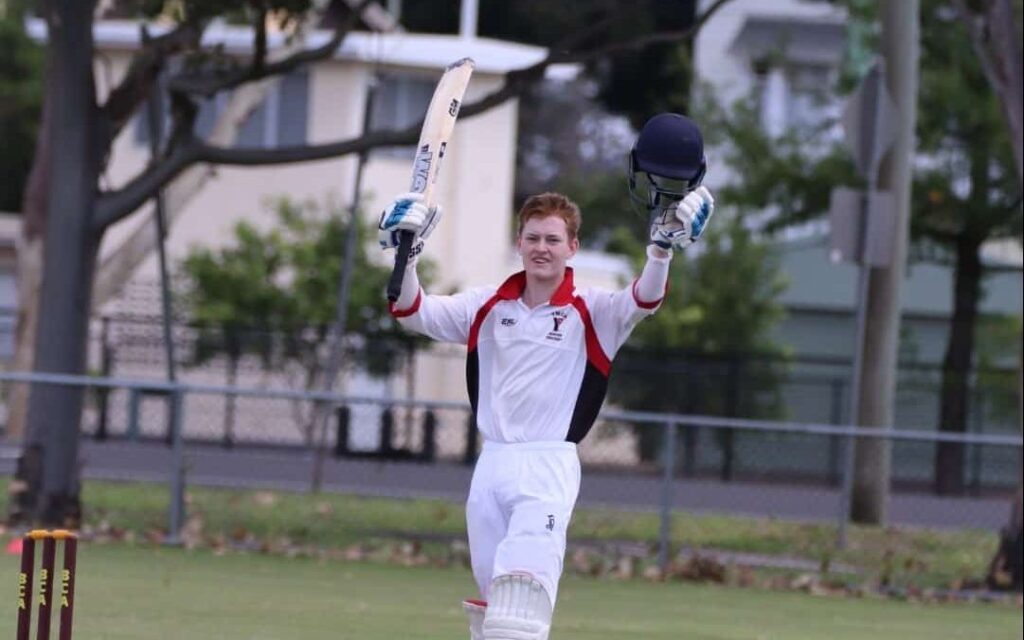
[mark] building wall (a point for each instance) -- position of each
(473, 245)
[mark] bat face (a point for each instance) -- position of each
(437, 129)
(438, 126)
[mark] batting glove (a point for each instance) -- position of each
(682, 224)
(407, 213)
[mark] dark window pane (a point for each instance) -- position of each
(252, 132)
(293, 109)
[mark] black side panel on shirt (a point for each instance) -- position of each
(473, 378)
(588, 403)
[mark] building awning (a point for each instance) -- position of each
(806, 41)
(414, 50)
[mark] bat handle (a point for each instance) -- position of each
(405, 239)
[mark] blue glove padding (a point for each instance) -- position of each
(407, 213)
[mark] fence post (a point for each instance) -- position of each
(429, 450)
(846, 492)
(387, 428)
(667, 479)
(834, 442)
(103, 393)
(133, 414)
(176, 509)
(977, 425)
(344, 417)
(469, 457)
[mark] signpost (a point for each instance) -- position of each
(862, 228)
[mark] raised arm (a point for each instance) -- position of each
(444, 318)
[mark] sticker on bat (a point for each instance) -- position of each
(453, 108)
(421, 169)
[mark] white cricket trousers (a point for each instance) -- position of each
(520, 503)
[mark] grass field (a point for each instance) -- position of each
(135, 592)
(902, 557)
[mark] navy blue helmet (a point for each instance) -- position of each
(667, 161)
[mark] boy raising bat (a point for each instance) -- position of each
(539, 353)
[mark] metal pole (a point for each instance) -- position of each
(667, 480)
(321, 412)
(176, 510)
(899, 45)
(863, 293)
(846, 491)
(155, 137)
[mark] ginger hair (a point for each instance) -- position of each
(544, 205)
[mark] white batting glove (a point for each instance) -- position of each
(682, 224)
(407, 213)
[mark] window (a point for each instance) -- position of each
(8, 312)
(281, 120)
(794, 96)
(401, 100)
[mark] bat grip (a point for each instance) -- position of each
(405, 239)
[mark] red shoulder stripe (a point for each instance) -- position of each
(595, 354)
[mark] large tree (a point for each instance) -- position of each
(995, 30)
(67, 210)
(965, 189)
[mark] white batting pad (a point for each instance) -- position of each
(476, 611)
(518, 609)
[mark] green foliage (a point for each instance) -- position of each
(735, 283)
(708, 350)
(274, 293)
(964, 180)
(792, 175)
(21, 70)
(960, 126)
(610, 221)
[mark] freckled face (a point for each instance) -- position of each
(545, 247)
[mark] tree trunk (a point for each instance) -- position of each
(49, 465)
(997, 44)
(30, 273)
(956, 366)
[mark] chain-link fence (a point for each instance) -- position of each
(803, 390)
(375, 446)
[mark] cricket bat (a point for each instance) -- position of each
(430, 151)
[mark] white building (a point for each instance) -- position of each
(323, 103)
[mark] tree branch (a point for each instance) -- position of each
(115, 205)
(995, 42)
(259, 56)
(143, 71)
(516, 82)
(284, 155)
(208, 84)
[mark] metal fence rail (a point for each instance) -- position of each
(792, 468)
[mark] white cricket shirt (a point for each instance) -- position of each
(533, 374)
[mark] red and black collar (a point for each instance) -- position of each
(512, 289)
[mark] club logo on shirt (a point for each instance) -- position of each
(508, 322)
(557, 317)
(551, 522)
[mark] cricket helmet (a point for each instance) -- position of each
(667, 161)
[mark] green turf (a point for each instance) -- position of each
(146, 593)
